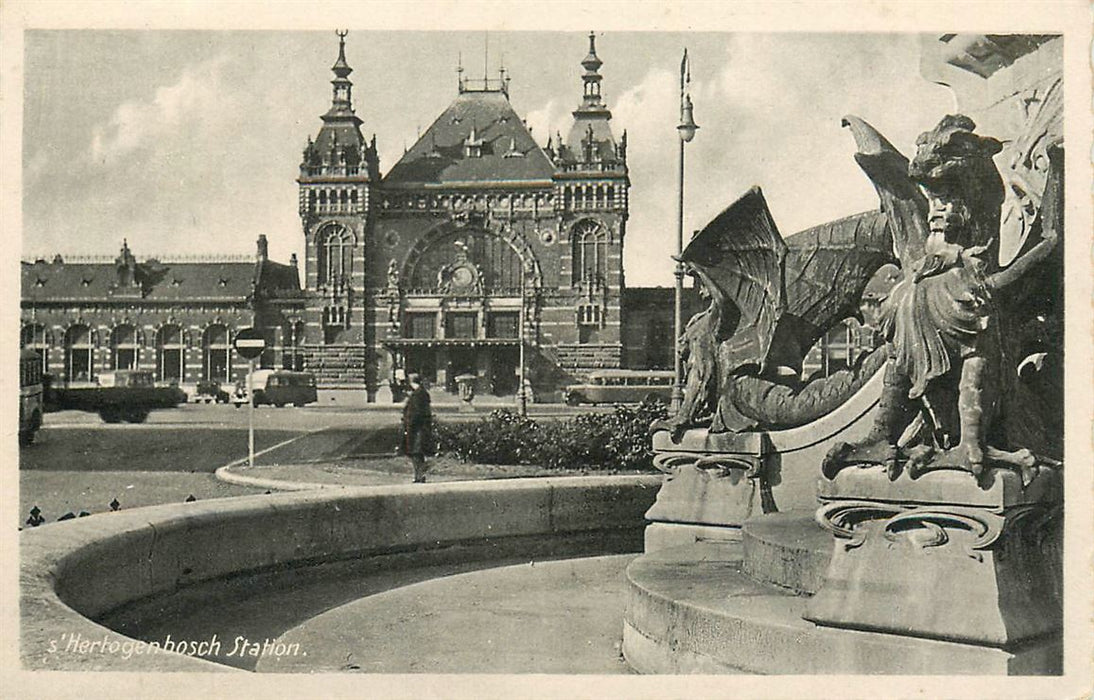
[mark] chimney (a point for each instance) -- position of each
(292, 260)
(263, 248)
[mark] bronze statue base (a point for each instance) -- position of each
(944, 556)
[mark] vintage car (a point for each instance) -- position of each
(622, 386)
(277, 387)
(210, 392)
(124, 394)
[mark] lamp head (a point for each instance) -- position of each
(687, 127)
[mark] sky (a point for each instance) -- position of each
(189, 142)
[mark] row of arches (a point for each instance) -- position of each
(588, 196)
(127, 349)
(333, 200)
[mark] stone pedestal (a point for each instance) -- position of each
(943, 556)
(714, 484)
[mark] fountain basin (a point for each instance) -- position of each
(77, 572)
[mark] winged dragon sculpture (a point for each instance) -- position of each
(771, 299)
(955, 324)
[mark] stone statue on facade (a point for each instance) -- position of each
(393, 276)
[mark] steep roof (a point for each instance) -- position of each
(278, 280)
(98, 282)
(507, 151)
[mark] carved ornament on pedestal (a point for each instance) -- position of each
(943, 556)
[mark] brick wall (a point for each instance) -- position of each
(337, 366)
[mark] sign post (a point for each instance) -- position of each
(249, 343)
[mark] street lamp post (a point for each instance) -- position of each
(686, 131)
(522, 394)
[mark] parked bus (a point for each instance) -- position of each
(622, 386)
(31, 395)
(277, 387)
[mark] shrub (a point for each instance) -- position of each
(502, 437)
(612, 441)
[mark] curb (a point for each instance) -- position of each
(227, 476)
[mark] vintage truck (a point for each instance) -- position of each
(120, 395)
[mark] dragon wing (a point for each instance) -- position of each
(827, 270)
(901, 201)
(829, 266)
(741, 254)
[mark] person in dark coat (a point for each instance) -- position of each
(417, 427)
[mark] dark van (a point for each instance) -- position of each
(277, 387)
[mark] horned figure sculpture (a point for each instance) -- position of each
(953, 325)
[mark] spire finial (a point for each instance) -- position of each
(341, 68)
(341, 44)
(591, 78)
(485, 56)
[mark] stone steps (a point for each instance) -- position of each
(788, 550)
(692, 609)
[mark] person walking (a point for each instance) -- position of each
(417, 427)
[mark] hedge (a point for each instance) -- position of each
(609, 441)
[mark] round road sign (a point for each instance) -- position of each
(250, 343)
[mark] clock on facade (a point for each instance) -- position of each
(463, 277)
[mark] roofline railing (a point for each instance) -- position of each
(169, 258)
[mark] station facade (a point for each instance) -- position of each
(480, 252)
(477, 244)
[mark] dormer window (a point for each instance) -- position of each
(472, 145)
(223, 282)
(39, 282)
(513, 152)
(86, 281)
(176, 282)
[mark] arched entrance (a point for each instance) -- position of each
(465, 292)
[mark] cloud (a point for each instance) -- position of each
(548, 120)
(649, 112)
(199, 95)
(769, 109)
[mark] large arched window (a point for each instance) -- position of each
(335, 252)
(216, 353)
(494, 260)
(590, 254)
(79, 354)
(33, 336)
(171, 355)
(125, 348)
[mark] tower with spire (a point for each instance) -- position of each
(591, 195)
(339, 174)
(478, 248)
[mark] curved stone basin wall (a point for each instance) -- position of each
(72, 572)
